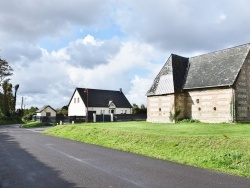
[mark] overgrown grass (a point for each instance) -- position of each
(221, 147)
(33, 124)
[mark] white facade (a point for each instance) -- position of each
(78, 108)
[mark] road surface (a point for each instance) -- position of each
(29, 158)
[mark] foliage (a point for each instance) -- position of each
(4, 120)
(221, 147)
(28, 113)
(5, 70)
(63, 111)
(173, 116)
(189, 121)
(139, 110)
(7, 99)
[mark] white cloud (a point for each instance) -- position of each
(55, 47)
(55, 75)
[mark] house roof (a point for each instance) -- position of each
(215, 69)
(44, 107)
(102, 98)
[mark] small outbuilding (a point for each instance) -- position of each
(46, 111)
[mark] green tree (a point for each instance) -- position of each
(63, 111)
(143, 109)
(5, 70)
(29, 112)
(8, 100)
(139, 110)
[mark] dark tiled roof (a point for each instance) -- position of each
(45, 106)
(216, 69)
(102, 98)
(171, 77)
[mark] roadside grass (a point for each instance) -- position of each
(33, 124)
(221, 147)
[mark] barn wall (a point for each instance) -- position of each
(158, 108)
(209, 105)
(242, 93)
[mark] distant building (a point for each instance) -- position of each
(213, 87)
(47, 111)
(99, 102)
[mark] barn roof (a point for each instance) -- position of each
(171, 77)
(215, 69)
(102, 98)
(219, 68)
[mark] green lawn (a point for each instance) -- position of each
(221, 147)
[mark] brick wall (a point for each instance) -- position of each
(242, 93)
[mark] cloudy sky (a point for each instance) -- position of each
(56, 46)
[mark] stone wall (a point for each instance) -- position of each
(209, 105)
(159, 107)
(242, 93)
(206, 105)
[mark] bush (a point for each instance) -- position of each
(189, 121)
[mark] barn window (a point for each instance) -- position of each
(214, 108)
(197, 100)
(199, 109)
(159, 109)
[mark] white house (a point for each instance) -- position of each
(99, 102)
(47, 111)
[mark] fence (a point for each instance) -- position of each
(82, 119)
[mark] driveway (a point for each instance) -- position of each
(29, 158)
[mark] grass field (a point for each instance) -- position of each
(221, 147)
(33, 124)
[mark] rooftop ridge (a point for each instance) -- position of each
(221, 50)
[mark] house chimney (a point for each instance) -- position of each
(120, 90)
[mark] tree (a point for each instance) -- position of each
(8, 100)
(139, 110)
(63, 111)
(16, 88)
(5, 70)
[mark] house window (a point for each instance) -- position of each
(78, 100)
(48, 114)
(74, 100)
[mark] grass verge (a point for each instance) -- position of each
(221, 147)
(33, 124)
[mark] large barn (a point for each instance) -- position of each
(213, 87)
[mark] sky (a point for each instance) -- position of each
(56, 46)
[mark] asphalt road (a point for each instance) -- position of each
(29, 158)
